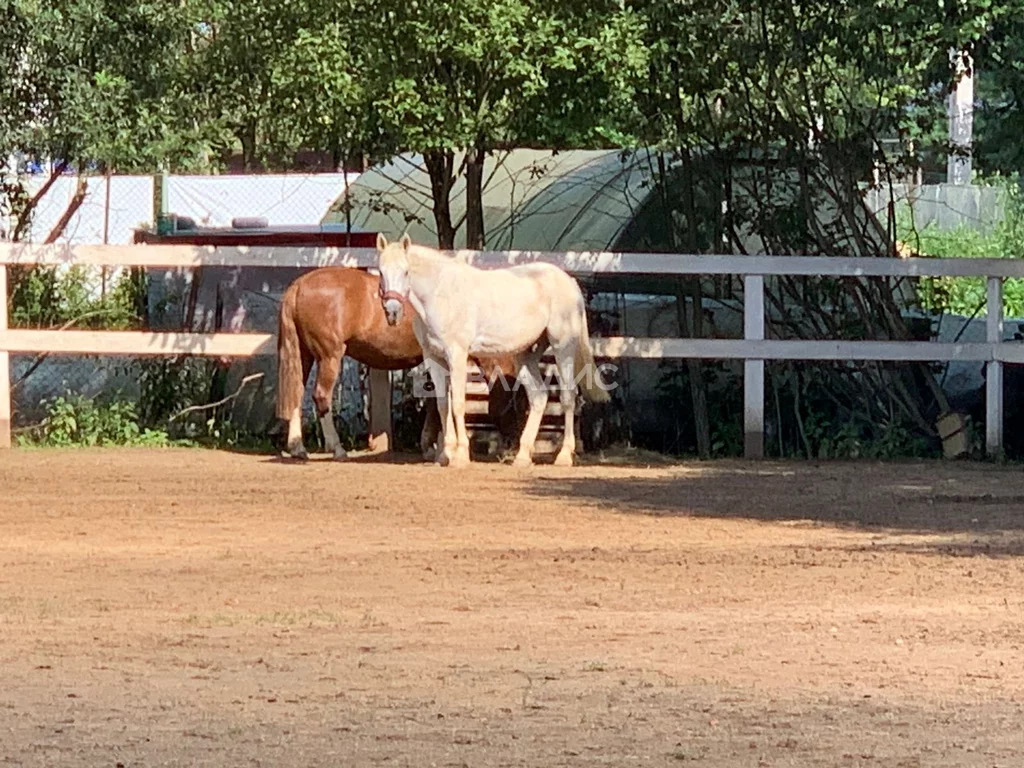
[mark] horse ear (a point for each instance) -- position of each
(382, 242)
(406, 241)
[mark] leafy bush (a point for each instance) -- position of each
(725, 408)
(168, 385)
(44, 297)
(76, 420)
(966, 295)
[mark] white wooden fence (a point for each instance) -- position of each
(754, 349)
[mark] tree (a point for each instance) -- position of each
(462, 80)
(231, 76)
(89, 88)
(997, 44)
(764, 122)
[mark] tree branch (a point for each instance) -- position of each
(222, 401)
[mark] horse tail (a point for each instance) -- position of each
(290, 383)
(590, 381)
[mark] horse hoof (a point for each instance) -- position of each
(300, 453)
(563, 460)
(340, 454)
(459, 460)
(522, 461)
(443, 459)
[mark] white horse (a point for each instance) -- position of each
(462, 310)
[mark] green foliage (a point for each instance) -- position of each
(73, 420)
(725, 405)
(138, 85)
(829, 438)
(966, 296)
(168, 386)
(472, 73)
(837, 411)
(43, 297)
(93, 78)
(808, 416)
(999, 109)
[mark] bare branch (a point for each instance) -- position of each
(222, 401)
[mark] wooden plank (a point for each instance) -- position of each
(248, 344)
(264, 344)
(480, 408)
(547, 368)
(777, 349)
(140, 343)
(5, 366)
(604, 262)
(994, 372)
(753, 370)
(576, 262)
(186, 256)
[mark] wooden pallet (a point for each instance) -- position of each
(483, 431)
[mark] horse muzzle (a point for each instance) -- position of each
(393, 307)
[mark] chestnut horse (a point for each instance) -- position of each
(326, 314)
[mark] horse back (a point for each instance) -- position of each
(337, 311)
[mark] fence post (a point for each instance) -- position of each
(380, 410)
(994, 372)
(753, 370)
(5, 365)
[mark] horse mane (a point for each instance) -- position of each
(426, 254)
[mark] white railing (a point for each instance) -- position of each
(754, 349)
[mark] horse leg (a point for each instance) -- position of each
(566, 359)
(431, 432)
(294, 444)
(537, 390)
(323, 396)
(458, 362)
(446, 428)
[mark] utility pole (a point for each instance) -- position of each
(960, 107)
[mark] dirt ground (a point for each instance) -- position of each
(187, 607)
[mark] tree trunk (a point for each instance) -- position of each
(76, 202)
(440, 166)
(475, 235)
(698, 388)
(695, 373)
(247, 137)
(24, 217)
(689, 328)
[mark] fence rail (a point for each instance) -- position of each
(754, 349)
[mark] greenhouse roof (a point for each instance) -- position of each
(533, 199)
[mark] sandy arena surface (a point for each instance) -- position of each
(187, 607)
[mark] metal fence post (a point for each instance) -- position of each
(994, 372)
(753, 370)
(5, 365)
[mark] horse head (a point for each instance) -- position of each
(393, 263)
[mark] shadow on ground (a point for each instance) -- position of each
(978, 508)
(355, 457)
